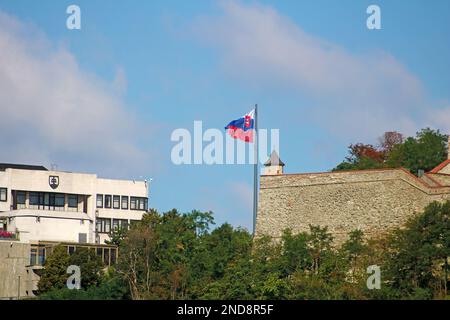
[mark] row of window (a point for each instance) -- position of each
(38, 254)
(48, 201)
(117, 202)
(57, 201)
(103, 225)
(3, 194)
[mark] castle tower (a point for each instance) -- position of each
(273, 166)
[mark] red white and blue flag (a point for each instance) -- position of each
(243, 127)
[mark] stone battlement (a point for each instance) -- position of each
(373, 201)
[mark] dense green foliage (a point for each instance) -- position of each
(178, 256)
(54, 275)
(425, 151)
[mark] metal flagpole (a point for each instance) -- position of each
(255, 172)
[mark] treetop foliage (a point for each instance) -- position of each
(423, 152)
(179, 256)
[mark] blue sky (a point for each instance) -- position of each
(106, 98)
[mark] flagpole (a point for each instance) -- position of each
(255, 172)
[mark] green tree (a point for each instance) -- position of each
(54, 275)
(425, 151)
(319, 245)
(418, 255)
(90, 266)
(295, 255)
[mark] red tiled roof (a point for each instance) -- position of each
(441, 166)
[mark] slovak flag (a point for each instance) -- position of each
(242, 128)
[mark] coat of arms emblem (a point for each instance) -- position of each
(53, 181)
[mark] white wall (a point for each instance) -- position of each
(65, 225)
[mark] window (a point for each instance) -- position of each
(125, 202)
(133, 203)
(41, 256)
(34, 200)
(3, 194)
(33, 256)
(20, 199)
(103, 225)
(106, 256)
(138, 203)
(59, 201)
(116, 202)
(120, 224)
(82, 238)
(99, 201)
(113, 256)
(72, 201)
(70, 250)
(108, 201)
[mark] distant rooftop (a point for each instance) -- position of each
(274, 160)
(4, 166)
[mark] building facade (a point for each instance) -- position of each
(37, 204)
(373, 201)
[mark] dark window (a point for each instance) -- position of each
(33, 256)
(103, 225)
(106, 256)
(138, 203)
(72, 201)
(113, 256)
(120, 224)
(34, 199)
(59, 200)
(3, 194)
(21, 196)
(108, 201)
(124, 202)
(41, 256)
(20, 199)
(133, 203)
(82, 237)
(99, 201)
(116, 202)
(70, 249)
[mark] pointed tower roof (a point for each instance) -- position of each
(274, 160)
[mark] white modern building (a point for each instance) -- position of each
(38, 205)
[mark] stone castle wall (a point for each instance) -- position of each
(373, 201)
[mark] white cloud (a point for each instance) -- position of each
(52, 111)
(355, 95)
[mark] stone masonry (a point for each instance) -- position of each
(373, 201)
